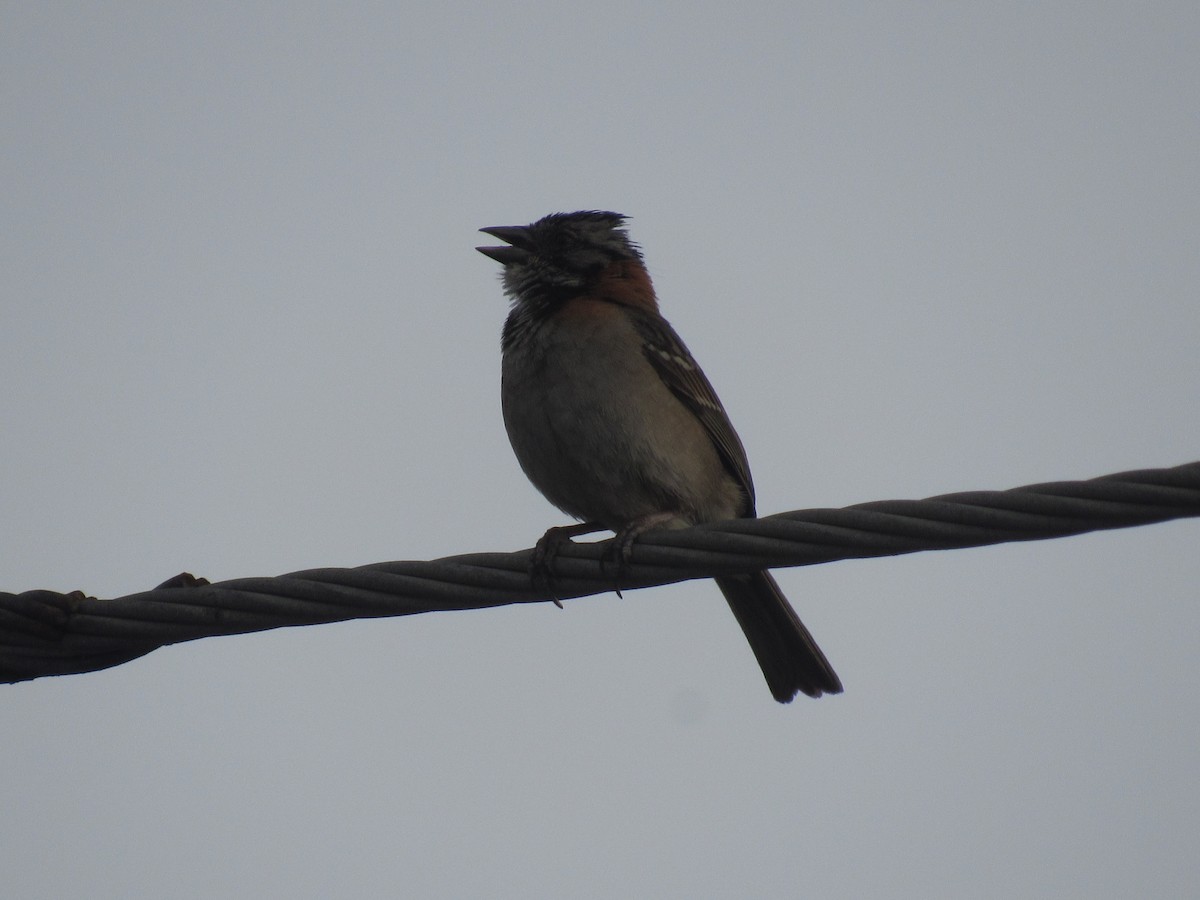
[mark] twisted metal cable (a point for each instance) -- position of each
(48, 633)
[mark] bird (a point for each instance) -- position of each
(613, 420)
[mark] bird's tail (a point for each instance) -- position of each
(789, 657)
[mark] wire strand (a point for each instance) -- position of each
(49, 633)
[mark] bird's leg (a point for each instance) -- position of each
(621, 549)
(541, 563)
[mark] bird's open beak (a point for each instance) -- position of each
(517, 236)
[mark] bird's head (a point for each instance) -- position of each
(563, 255)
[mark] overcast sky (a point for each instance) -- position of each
(918, 248)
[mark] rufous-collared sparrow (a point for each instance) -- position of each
(615, 423)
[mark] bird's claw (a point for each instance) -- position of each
(620, 548)
(541, 562)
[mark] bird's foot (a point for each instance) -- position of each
(541, 562)
(620, 550)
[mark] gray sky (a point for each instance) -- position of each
(918, 249)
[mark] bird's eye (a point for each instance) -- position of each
(586, 260)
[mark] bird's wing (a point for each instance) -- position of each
(679, 371)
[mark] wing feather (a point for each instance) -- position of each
(673, 361)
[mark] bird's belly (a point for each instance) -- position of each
(601, 436)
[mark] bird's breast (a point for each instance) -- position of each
(598, 432)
